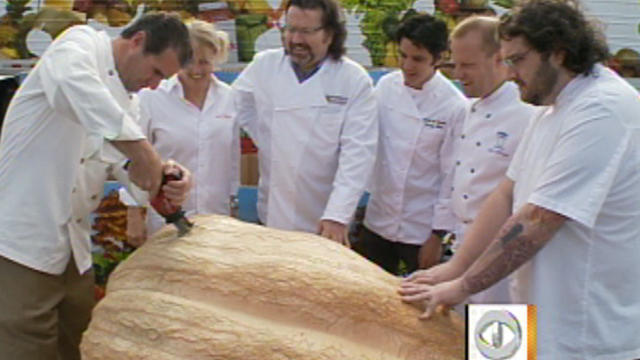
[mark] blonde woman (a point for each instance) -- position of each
(190, 118)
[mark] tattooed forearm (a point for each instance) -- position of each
(522, 236)
(512, 234)
(510, 257)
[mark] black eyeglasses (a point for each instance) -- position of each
(302, 31)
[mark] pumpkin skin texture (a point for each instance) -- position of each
(236, 291)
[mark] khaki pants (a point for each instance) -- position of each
(43, 316)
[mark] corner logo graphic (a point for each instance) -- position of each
(498, 334)
(501, 332)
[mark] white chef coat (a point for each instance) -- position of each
(317, 139)
(417, 130)
(65, 108)
(206, 141)
(87, 193)
(491, 133)
(581, 159)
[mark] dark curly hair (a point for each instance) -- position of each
(425, 31)
(557, 25)
(332, 20)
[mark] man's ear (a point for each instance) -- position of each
(138, 39)
(497, 58)
(440, 58)
(557, 57)
(329, 35)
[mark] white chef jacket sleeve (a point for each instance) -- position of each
(139, 196)
(583, 164)
(244, 91)
(443, 217)
(377, 95)
(131, 126)
(517, 161)
(144, 114)
(358, 146)
(71, 82)
(144, 124)
(235, 160)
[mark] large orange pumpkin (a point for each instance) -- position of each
(236, 291)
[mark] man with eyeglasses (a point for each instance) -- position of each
(566, 216)
(492, 130)
(312, 114)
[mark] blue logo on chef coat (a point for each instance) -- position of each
(498, 148)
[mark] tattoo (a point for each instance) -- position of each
(512, 256)
(512, 234)
(519, 240)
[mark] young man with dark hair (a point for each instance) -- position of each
(312, 114)
(566, 216)
(69, 126)
(420, 113)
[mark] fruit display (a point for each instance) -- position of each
(378, 25)
(237, 291)
(248, 28)
(626, 62)
(109, 238)
(254, 24)
(507, 4)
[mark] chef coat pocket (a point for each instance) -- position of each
(329, 124)
(220, 129)
(432, 135)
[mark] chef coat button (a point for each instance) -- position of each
(458, 163)
(465, 196)
(73, 191)
(473, 170)
(93, 197)
(487, 116)
(78, 220)
(453, 188)
(462, 136)
(110, 72)
(478, 143)
(82, 161)
(473, 109)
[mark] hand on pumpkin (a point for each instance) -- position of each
(176, 191)
(447, 294)
(436, 274)
(334, 230)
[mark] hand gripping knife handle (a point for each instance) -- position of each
(171, 214)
